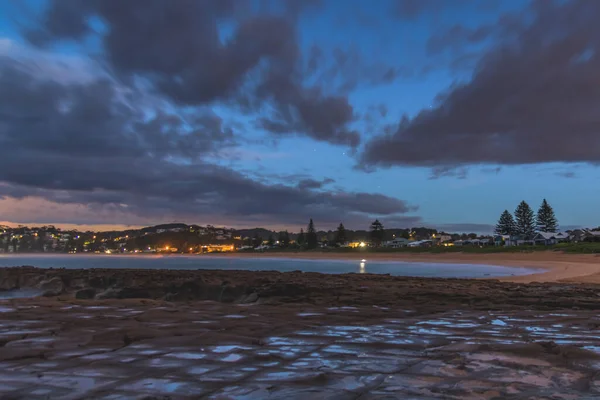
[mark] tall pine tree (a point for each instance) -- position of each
(546, 220)
(311, 236)
(377, 232)
(340, 234)
(525, 220)
(506, 224)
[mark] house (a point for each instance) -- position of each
(396, 243)
(501, 240)
(420, 243)
(441, 238)
(356, 244)
(520, 240)
(545, 238)
(581, 235)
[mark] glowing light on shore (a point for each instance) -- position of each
(362, 244)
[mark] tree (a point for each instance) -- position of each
(311, 236)
(525, 221)
(377, 232)
(506, 224)
(271, 241)
(301, 238)
(340, 235)
(256, 240)
(284, 239)
(472, 236)
(546, 220)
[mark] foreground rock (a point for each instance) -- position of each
(52, 287)
(271, 287)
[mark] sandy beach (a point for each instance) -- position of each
(559, 267)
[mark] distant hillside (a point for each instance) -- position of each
(261, 232)
(164, 226)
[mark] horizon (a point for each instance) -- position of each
(119, 228)
(267, 113)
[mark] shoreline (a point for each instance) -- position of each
(557, 266)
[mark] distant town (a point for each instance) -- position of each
(525, 229)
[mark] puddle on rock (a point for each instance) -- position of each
(228, 348)
(309, 314)
(233, 357)
(187, 355)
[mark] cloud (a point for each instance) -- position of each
(484, 229)
(530, 100)
(444, 172)
(183, 53)
(314, 184)
(86, 144)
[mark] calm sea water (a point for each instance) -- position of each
(190, 262)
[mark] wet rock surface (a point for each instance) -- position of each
(269, 335)
(138, 348)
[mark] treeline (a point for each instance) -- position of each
(526, 222)
(376, 234)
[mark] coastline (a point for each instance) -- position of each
(558, 267)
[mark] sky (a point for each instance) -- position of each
(249, 113)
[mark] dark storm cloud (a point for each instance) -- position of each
(87, 143)
(444, 172)
(531, 100)
(314, 184)
(179, 49)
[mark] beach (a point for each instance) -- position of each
(558, 266)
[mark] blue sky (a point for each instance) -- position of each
(470, 198)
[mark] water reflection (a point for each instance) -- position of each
(362, 267)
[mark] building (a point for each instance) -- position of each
(396, 243)
(440, 238)
(217, 248)
(501, 240)
(356, 244)
(584, 235)
(550, 238)
(520, 240)
(421, 243)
